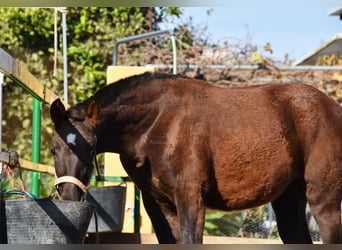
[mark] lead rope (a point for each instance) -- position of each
(97, 236)
(98, 177)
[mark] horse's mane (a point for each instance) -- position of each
(107, 94)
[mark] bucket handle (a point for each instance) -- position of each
(20, 192)
(122, 180)
(123, 184)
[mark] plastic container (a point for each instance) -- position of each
(110, 208)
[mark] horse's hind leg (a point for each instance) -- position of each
(324, 194)
(289, 208)
(328, 217)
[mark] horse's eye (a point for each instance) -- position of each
(53, 151)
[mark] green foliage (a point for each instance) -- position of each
(28, 35)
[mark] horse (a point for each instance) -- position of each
(189, 145)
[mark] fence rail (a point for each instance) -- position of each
(19, 73)
(42, 168)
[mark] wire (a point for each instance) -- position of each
(32, 196)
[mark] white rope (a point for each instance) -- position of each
(55, 44)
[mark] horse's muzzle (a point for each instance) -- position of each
(71, 180)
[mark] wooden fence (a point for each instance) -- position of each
(18, 72)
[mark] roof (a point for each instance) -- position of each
(336, 12)
(334, 45)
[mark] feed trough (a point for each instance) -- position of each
(44, 221)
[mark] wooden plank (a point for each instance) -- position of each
(36, 167)
(6, 62)
(18, 72)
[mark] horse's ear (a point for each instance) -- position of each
(92, 112)
(57, 112)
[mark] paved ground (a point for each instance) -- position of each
(134, 238)
(151, 239)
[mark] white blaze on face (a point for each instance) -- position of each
(71, 139)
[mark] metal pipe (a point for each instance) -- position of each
(308, 67)
(1, 84)
(174, 53)
(133, 38)
(55, 43)
(36, 132)
(65, 56)
(247, 67)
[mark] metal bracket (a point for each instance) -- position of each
(9, 157)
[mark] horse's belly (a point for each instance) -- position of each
(236, 196)
(251, 166)
(244, 186)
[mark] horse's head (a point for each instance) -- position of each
(73, 147)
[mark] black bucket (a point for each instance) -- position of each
(45, 221)
(110, 208)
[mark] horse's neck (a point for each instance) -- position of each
(130, 117)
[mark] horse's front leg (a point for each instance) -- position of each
(191, 211)
(162, 222)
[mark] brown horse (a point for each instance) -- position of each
(189, 145)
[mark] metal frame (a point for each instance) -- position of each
(144, 36)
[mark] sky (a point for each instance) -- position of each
(296, 27)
